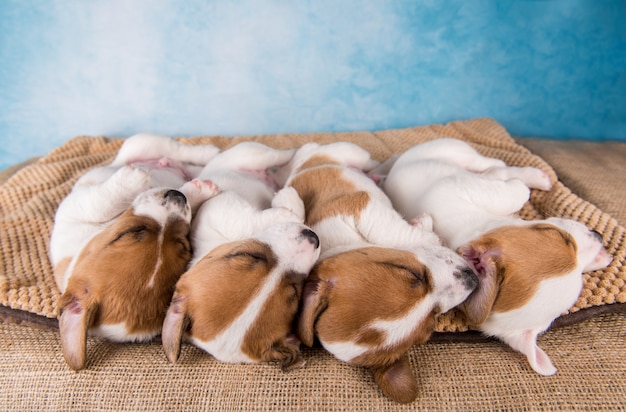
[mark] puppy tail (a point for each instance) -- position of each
(77, 316)
(174, 325)
(397, 380)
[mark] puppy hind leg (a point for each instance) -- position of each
(531, 176)
(289, 199)
(252, 156)
(498, 197)
(151, 146)
(106, 200)
(376, 220)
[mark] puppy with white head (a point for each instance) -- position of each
(380, 281)
(252, 253)
(120, 242)
(530, 272)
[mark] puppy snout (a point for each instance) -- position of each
(597, 235)
(311, 237)
(175, 196)
(468, 277)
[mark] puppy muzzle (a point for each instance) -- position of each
(467, 276)
(311, 237)
(175, 197)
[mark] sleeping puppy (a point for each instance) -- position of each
(380, 281)
(251, 255)
(120, 242)
(529, 271)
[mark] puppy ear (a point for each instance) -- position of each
(397, 380)
(484, 263)
(526, 343)
(314, 302)
(174, 325)
(76, 317)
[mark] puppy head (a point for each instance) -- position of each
(590, 254)
(239, 301)
(121, 282)
(369, 306)
(511, 261)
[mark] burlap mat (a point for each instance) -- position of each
(29, 198)
(460, 376)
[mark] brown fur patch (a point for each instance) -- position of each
(316, 161)
(326, 193)
(527, 256)
(371, 284)
(115, 268)
(220, 286)
(266, 340)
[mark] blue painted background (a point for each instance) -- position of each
(116, 67)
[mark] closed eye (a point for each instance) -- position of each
(418, 275)
(136, 231)
(251, 255)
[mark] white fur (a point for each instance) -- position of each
(246, 204)
(378, 224)
(345, 351)
(103, 193)
(463, 191)
(248, 207)
(465, 194)
(294, 252)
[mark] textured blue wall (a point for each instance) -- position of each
(116, 67)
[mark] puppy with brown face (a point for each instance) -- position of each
(380, 282)
(251, 255)
(119, 245)
(529, 275)
(530, 272)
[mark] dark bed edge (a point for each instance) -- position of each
(24, 318)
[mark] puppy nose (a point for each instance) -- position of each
(176, 197)
(312, 237)
(468, 277)
(597, 235)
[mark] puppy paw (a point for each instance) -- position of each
(536, 178)
(201, 154)
(288, 354)
(424, 222)
(287, 198)
(134, 176)
(197, 191)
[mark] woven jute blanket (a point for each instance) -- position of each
(28, 201)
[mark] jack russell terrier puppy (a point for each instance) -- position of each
(120, 243)
(530, 272)
(380, 281)
(252, 253)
